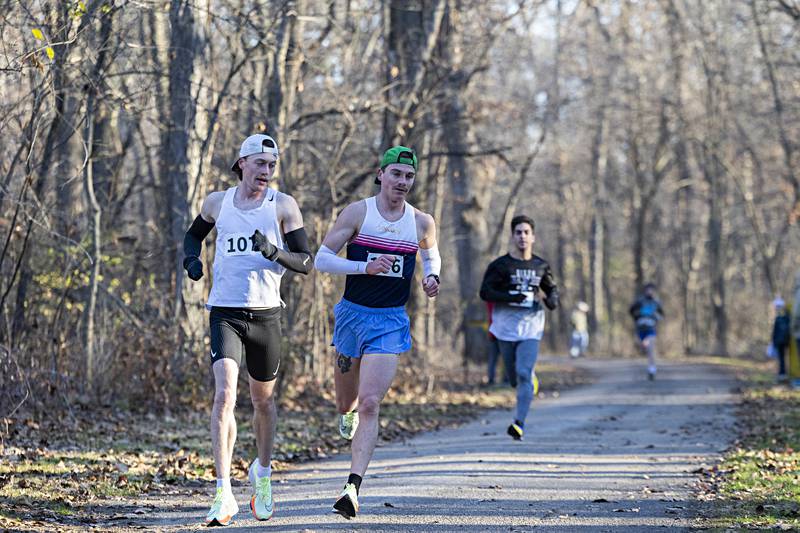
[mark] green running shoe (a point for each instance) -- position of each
(222, 510)
(261, 502)
(348, 423)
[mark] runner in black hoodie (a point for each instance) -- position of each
(519, 283)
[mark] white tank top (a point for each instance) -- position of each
(242, 276)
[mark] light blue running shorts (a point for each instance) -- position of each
(360, 330)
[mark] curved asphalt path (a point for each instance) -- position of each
(614, 456)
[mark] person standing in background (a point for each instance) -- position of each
(579, 341)
(781, 334)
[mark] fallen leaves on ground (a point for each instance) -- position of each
(60, 470)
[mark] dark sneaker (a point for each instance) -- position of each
(347, 504)
(515, 431)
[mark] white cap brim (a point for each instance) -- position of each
(256, 144)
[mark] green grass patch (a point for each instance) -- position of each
(757, 485)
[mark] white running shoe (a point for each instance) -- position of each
(223, 508)
(348, 423)
(261, 503)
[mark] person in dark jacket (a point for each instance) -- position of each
(780, 335)
(519, 284)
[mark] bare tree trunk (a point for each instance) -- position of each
(787, 146)
(94, 215)
(597, 172)
(57, 133)
(469, 204)
(199, 151)
(472, 231)
(715, 73)
(93, 130)
(180, 157)
(410, 31)
(685, 192)
(598, 230)
(286, 70)
(717, 263)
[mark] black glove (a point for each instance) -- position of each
(193, 267)
(262, 244)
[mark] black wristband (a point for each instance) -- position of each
(434, 276)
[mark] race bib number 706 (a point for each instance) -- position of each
(397, 264)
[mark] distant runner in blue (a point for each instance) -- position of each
(647, 313)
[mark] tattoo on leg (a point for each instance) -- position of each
(344, 363)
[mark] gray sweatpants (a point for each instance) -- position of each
(524, 353)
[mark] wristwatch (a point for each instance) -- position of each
(434, 276)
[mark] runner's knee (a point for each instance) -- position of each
(369, 405)
(225, 399)
(265, 403)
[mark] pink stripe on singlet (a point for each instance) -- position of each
(385, 244)
(385, 240)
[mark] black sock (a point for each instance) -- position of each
(355, 479)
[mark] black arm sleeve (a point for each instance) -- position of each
(548, 285)
(298, 258)
(491, 288)
(193, 240)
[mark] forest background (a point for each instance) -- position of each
(650, 140)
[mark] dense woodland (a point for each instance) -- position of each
(650, 140)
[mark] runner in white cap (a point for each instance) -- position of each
(259, 235)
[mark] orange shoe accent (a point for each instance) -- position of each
(253, 509)
(219, 522)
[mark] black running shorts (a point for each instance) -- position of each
(256, 333)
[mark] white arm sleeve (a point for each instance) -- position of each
(431, 261)
(327, 261)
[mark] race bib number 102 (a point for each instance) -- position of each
(397, 264)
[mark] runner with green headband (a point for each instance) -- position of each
(383, 234)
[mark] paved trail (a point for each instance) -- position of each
(616, 455)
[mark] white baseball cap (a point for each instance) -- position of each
(256, 144)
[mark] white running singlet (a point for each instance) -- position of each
(242, 276)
